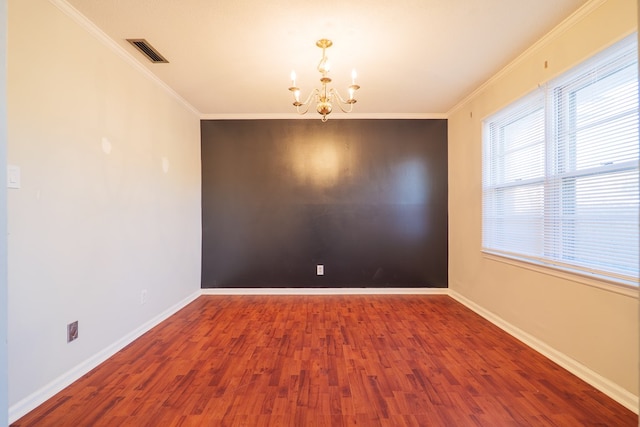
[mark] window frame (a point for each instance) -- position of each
(554, 256)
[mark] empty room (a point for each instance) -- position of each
(238, 213)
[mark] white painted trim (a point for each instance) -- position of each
(572, 20)
(583, 278)
(38, 397)
(325, 291)
(339, 116)
(624, 397)
(614, 391)
(92, 29)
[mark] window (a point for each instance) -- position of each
(560, 171)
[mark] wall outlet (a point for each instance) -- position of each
(143, 296)
(72, 331)
(320, 270)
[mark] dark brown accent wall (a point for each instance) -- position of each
(365, 198)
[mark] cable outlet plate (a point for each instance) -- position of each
(72, 331)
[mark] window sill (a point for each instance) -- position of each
(593, 281)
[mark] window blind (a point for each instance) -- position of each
(560, 171)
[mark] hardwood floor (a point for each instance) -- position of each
(328, 361)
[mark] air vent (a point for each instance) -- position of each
(147, 50)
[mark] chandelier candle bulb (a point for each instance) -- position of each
(293, 78)
(353, 76)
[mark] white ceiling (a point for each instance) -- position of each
(415, 58)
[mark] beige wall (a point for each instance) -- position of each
(4, 365)
(109, 204)
(596, 327)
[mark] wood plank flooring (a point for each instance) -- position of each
(328, 361)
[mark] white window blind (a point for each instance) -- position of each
(560, 171)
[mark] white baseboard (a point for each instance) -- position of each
(624, 397)
(325, 291)
(614, 391)
(38, 397)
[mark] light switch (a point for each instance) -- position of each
(13, 176)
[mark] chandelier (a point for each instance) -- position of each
(324, 97)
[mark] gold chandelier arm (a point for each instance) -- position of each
(342, 102)
(306, 103)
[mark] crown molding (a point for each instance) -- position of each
(92, 29)
(565, 25)
(95, 31)
(351, 116)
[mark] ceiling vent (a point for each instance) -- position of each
(147, 50)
